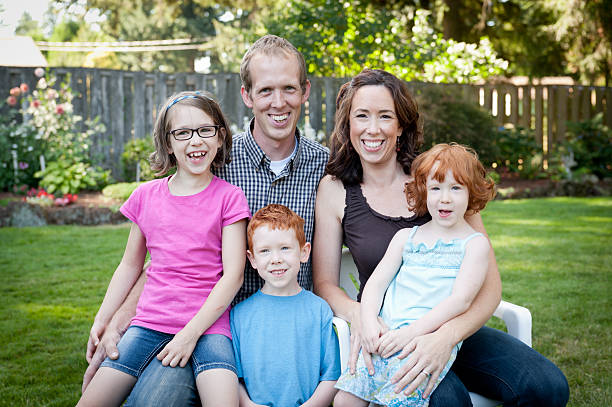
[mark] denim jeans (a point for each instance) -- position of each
(499, 366)
(490, 362)
(140, 345)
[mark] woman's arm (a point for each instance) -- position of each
(327, 252)
(233, 248)
(327, 249)
(431, 352)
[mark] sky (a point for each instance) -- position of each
(13, 9)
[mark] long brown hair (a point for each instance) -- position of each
(344, 162)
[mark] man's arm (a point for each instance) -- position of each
(96, 353)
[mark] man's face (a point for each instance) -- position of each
(276, 96)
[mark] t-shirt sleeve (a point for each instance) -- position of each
(330, 351)
(236, 342)
(132, 207)
(236, 207)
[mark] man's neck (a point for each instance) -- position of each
(275, 150)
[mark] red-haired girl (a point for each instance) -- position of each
(428, 275)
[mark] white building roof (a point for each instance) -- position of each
(20, 51)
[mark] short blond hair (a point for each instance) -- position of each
(271, 45)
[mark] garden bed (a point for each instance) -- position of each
(90, 209)
(96, 209)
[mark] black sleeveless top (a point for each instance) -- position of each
(368, 233)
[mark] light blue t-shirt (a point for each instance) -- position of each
(284, 347)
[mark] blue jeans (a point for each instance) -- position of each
(490, 362)
(139, 346)
(499, 366)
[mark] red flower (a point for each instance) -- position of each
(59, 109)
(36, 103)
(15, 91)
(24, 87)
(11, 100)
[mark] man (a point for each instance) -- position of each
(272, 163)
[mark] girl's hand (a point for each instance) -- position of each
(395, 340)
(371, 334)
(428, 356)
(178, 351)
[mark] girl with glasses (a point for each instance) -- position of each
(193, 225)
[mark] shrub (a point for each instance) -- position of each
(448, 117)
(120, 191)
(20, 148)
(136, 154)
(589, 143)
(69, 178)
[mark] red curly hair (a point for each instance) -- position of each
(463, 162)
(276, 216)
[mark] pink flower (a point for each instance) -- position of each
(36, 103)
(60, 109)
(39, 72)
(61, 201)
(51, 94)
(24, 87)
(15, 91)
(23, 165)
(11, 100)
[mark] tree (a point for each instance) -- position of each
(340, 39)
(584, 30)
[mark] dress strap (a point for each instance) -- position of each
(470, 237)
(412, 232)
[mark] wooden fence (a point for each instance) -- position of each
(127, 103)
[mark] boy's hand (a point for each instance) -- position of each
(178, 351)
(394, 341)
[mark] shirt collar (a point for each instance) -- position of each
(256, 153)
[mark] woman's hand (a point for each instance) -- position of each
(357, 341)
(427, 356)
(178, 351)
(394, 341)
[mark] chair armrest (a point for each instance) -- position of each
(344, 340)
(517, 320)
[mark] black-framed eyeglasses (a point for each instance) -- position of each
(207, 131)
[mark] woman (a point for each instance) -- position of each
(360, 202)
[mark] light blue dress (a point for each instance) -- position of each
(424, 279)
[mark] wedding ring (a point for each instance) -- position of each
(426, 373)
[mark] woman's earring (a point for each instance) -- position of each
(397, 144)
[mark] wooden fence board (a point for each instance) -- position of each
(128, 102)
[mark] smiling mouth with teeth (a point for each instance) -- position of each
(280, 118)
(197, 154)
(373, 144)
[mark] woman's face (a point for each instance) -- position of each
(374, 124)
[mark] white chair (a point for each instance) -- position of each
(516, 318)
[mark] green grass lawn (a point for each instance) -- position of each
(554, 258)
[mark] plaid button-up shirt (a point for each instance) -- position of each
(295, 187)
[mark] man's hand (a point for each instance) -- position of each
(96, 354)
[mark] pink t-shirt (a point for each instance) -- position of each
(183, 235)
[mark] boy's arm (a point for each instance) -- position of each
(243, 397)
(467, 284)
(233, 247)
(322, 396)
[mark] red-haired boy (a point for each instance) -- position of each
(285, 346)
